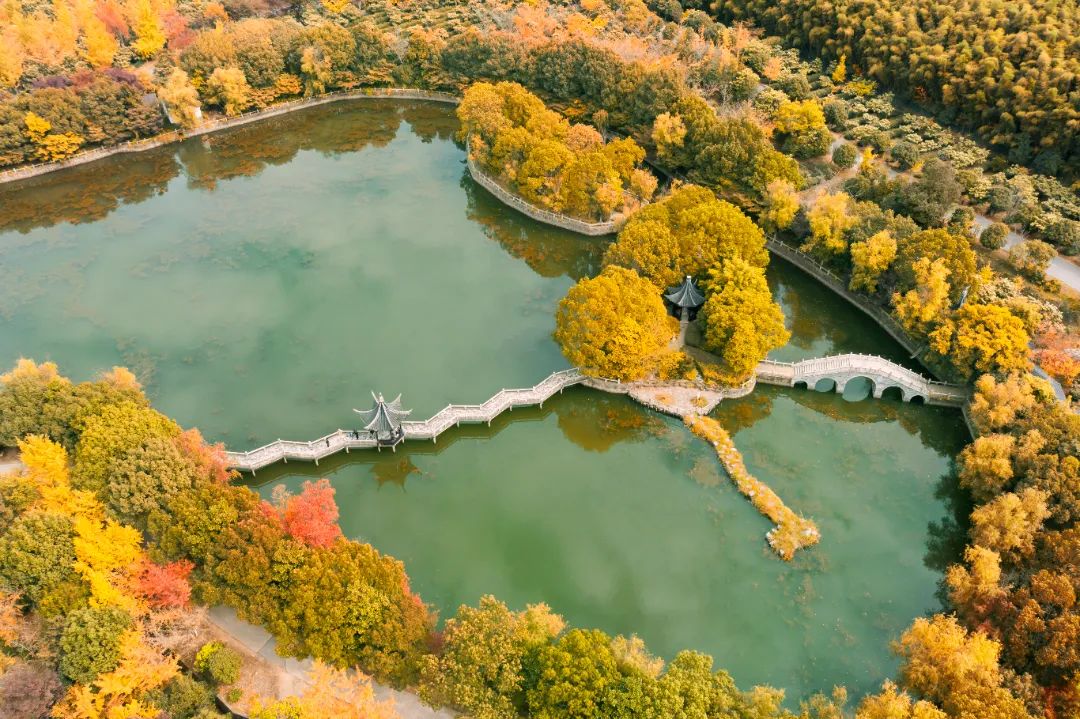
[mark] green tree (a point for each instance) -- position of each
(927, 199)
(90, 642)
(145, 477)
(109, 435)
(481, 667)
(348, 604)
(614, 325)
(741, 321)
(993, 236)
(37, 554)
(218, 663)
(35, 399)
(573, 677)
(844, 155)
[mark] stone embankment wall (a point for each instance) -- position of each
(27, 171)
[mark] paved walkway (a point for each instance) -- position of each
(1060, 268)
(293, 673)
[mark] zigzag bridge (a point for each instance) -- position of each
(840, 369)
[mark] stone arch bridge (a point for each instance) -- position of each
(840, 369)
(882, 373)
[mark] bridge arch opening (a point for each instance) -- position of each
(893, 393)
(917, 399)
(825, 385)
(801, 385)
(857, 389)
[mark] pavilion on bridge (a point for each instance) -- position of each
(384, 421)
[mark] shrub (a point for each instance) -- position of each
(183, 697)
(836, 115)
(844, 155)
(36, 554)
(90, 642)
(993, 237)
(217, 662)
(961, 221)
(1031, 258)
(904, 154)
(1065, 235)
(769, 100)
(1001, 198)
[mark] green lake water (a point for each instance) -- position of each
(262, 282)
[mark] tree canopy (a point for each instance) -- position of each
(614, 325)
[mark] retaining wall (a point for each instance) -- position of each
(27, 171)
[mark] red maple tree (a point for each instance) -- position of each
(165, 585)
(312, 515)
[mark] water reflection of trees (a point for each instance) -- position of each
(939, 428)
(90, 192)
(594, 421)
(548, 251)
(86, 193)
(815, 314)
(947, 537)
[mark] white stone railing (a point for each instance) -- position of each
(503, 400)
(450, 416)
(882, 372)
(831, 280)
(507, 197)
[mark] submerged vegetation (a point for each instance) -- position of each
(792, 532)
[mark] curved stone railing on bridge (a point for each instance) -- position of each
(450, 416)
(503, 400)
(881, 372)
(371, 93)
(839, 368)
(831, 280)
(507, 197)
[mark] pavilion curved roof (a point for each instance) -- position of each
(385, 417)
(685, 295)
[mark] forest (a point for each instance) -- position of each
(1005, 70)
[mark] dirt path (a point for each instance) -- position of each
(1060, 269)
(291, 674)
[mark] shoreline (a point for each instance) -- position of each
(27, 172)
